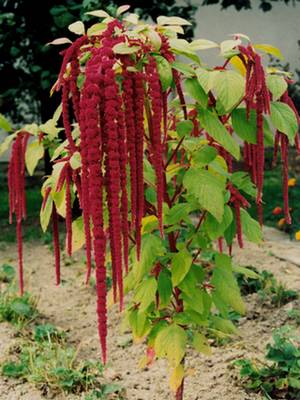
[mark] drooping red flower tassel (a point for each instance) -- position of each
(284, 141)
(68, 209)
(139, 151)
(17, 201)
(55, 232)
(155, 94)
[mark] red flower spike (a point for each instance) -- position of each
(55, 233)
(68, 211)
(155, 95)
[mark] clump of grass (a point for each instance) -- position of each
(18, 310)
(267, 287)
(294, 314)
(7, 273)
(279, 376)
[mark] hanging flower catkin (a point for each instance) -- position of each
(17, 199)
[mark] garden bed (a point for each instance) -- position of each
(72, 308)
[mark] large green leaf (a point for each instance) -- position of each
(46, 212)
(284, 119)
(229, 87)
(181, 263)
(34, 153)
(205, 186)
(277, 85)
(216, 229)
(218, 132)
(139, 323)
(206, 78)
(152, 247)
(250, 227)
(243, 126)
(184, 128)
(145, 293)
(226, 291)
(164, 286)
(171, 343)
(195, 90)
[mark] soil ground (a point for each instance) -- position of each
(72, 307)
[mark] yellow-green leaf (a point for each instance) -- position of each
(98, 13)
(34, 152)
(203, 44)
(145, 293)
(229, 87)
(176, 377)
(277, 85)
(58, 41)
(75, 160)
(45, 213)
(172, 21)
(171, 343)
(123, 48)
(78, 236)
(201, 344)
(5, 124)
(284, 119)
(267, 48)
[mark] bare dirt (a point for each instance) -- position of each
(72, 307)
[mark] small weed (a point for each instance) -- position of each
(48, 332)
(7, 273)
(267, 287)
(53, 366)
(19, 311)
(279, 377)
(111, 391)
(294, 314)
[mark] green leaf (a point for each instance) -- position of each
(152, 248)
(139, 323)
(245, 128)
(178, 213)
(201, 344)
(206, 78)
(172, 21)
(195, 90)
(243, 182)
(165, 72)
(21, 308)
(45, 213)
(249, 273)
(284, 119)
(123, 48)
(145, 293)
(203, 44)
(34, 152)
(78, 235)
(75, 160)
(277, 85)
(164, 287)
(229, 87)
(218, 132)
(226, 291)
(267, 48)
(224, 325)
(250, 227)
(229, 47)
(205, 155)
(184, 128)
(98, 13)
(181, 264)
(4, 146)
(171, 343)
(205, 186)
(216, 229)
(5, 124)
(185, 69)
